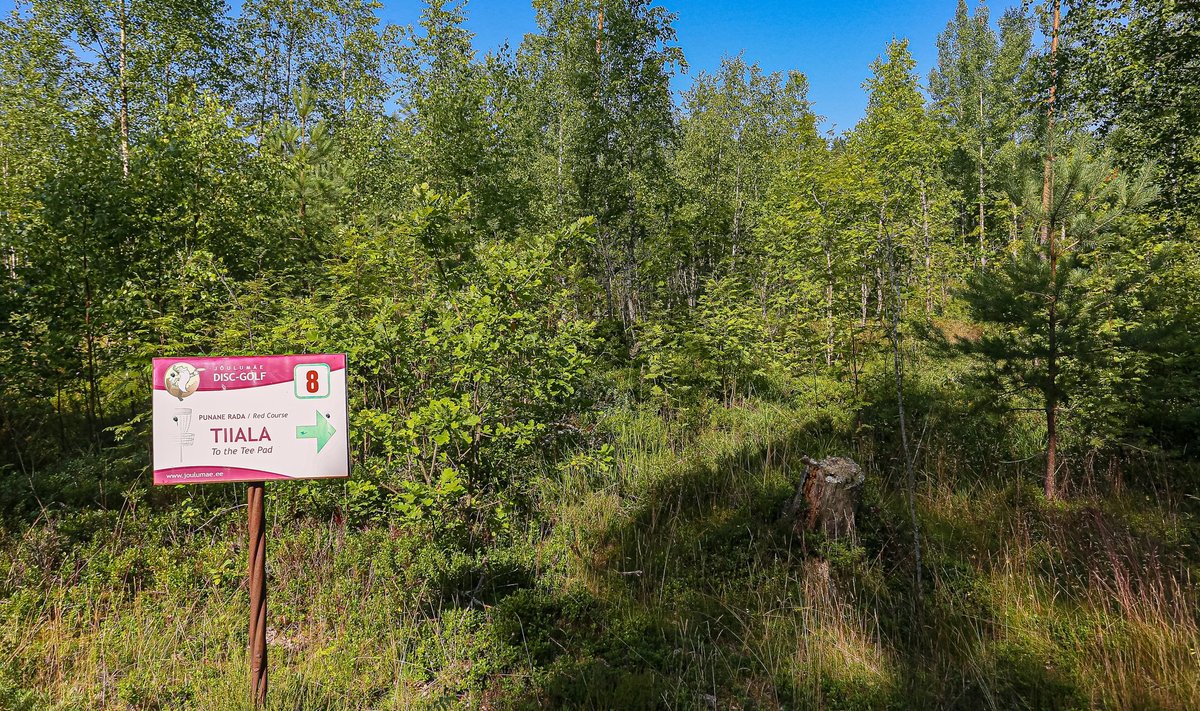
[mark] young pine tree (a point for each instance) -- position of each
(1055, 319)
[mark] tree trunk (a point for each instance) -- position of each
(599, 30)
(897, 311)
(122, 81)
(737, 212)
(93, 397)
(928, 245)
(1051, 393)
(560, 150)
(982, 239)
(287, 82)
(829, 337)
(866, 291)
(345, 69)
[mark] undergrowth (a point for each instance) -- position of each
(654, 571)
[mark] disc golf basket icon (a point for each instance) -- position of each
(183, 420)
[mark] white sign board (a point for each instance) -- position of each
(250, 419)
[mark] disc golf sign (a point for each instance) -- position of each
(250, 419)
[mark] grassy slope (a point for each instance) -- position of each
(655, 577)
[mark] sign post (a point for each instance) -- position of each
(251, 419)
(258, 592)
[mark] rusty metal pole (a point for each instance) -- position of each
(258, 594)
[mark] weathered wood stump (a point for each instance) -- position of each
(826, 498)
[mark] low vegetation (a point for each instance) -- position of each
(593, 328)
(652, 571)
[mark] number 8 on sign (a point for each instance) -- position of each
(311, 380)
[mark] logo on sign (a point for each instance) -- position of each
(182, 379)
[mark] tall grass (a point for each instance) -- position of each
(657, 573)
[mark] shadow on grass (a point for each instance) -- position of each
(702, 597)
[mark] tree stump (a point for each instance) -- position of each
(826, 498)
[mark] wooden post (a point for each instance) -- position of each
(258, 593)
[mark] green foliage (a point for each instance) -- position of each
(725, 350)
(977, 91)
(591, 332)
(1133, 68)
(1095, 292)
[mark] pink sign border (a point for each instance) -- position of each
(279, 365)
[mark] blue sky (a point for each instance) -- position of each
(832, 42)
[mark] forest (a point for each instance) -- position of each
(594, 328)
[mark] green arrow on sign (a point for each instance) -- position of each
(321, 431)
